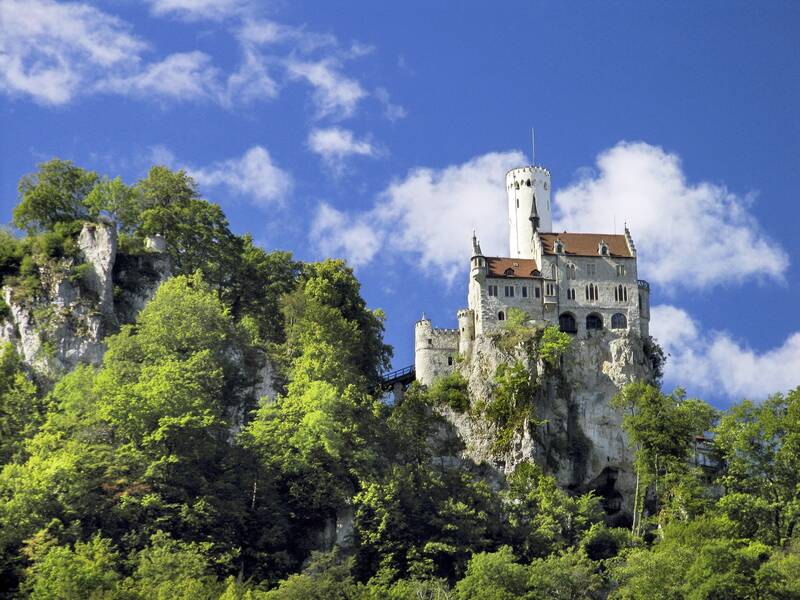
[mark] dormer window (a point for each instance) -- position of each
(509, 272)
(559, 247)
(602, 248)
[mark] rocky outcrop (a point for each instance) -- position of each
(581, 441)
(66, 322)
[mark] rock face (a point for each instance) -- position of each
(581, 443)
(66, 323)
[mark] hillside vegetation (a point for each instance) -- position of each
(158, 473)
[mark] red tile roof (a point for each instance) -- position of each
(586, 244)
(516, 267)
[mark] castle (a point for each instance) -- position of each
(583, 282)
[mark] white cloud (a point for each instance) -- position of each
(337, 234)
(393, 112)
(716, 363)
(199, 9)
(335, 144)
(430, 214)
(335, 95)
(254, 175)
(180, 76)
(688, 235)
(49, 51)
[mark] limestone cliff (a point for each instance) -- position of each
(581, 441)
(81, 300)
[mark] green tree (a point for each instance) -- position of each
(89, 570)
(493, 576)
(21, 410)
(569, 576)
(760, 446)
(662, 429)
(54, 194)
(543, 518)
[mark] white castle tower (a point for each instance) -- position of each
(528, 190)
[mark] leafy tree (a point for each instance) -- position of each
(55, 194)
(493, 576)
(543, 518)
(422, 522)
(661, 428)
(21, 410)
(451, 391)
(510, 407)
(571, 576)
(760, 446)
(89, 570)
(553, 345)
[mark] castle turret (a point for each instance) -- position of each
(435, 351)
(528, 190)
(466, 332)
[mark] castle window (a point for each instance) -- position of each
(567, 324)
(537, 292)
(571, 294)
(430, 342)
(509, 272)
(603, 248)
(493, 290)
(528, 183)
(516, 184)
(571, 272)
(517, 202)
(618, 321)
(449, 361)
(590, 269)
(524, 291)
(591, 292)
(620, 270)
(594, 321)
(559, 247)
(550, 289)
(509, 291)
(620, 293)
(501, 316)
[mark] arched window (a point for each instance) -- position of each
(594, 321)
(571, 272)
(592, 292)
(528, 183)
(501, 316)
(567, 324)
(516, 185)
(618, 321)
(620, 293)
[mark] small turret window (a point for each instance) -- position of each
(528, 183)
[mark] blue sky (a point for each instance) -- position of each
(381, 132)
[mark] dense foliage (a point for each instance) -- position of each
(159, 474)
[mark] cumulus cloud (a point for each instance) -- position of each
(429, 214)
(180, 76)
(335, 95)
(335, 144)
(49, 51)
(692, 235)
(192, 10)
(336, 234)
(715, 362)
(254, 175)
